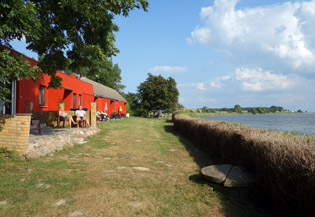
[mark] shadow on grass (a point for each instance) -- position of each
(200, 157)
(235, 201)
(168, 121)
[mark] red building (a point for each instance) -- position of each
(107, 99)
(74, 92)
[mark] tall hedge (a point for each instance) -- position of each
(284, 163)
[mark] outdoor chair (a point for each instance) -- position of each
(75, 117)
(104, 117)
(114, 115)
(83, 121)
(36, 122)
(60, 120)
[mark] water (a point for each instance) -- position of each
(304, 123)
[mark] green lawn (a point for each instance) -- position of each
(133, 167)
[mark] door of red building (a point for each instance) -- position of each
(67, 99)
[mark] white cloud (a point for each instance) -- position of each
(224, 78)
(201, 35)
(200, 86)
(247, 79)
(167, 69)
(259, 80)
(279, 35)
(215, 84)
(218, 81)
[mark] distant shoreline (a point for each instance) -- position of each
(235, 113)
(294, 123)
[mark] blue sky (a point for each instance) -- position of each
(223, 52)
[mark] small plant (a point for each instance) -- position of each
(5, 153)
(295, 133)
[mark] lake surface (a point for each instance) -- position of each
(304, 123)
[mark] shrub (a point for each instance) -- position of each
(6, 154)
(284, 163)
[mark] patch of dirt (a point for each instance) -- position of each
(76, 213)
(2, 203)
(110, 171)
(60, 202)
(159, 162)
(43, 186)
(136, 204)
(141, 168)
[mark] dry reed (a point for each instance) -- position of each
(284, 163)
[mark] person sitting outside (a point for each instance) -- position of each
(113, 115)
(64, 117)
(103, 116)
(81, 116)
(98, 117)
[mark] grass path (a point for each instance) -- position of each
(134, 167)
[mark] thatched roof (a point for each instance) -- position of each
(103, 91)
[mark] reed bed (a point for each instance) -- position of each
(284, 163)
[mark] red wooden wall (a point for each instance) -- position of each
(27, 90)
(112, 105)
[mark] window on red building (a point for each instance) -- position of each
(74, 100)
(41, 95)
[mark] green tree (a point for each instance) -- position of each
(106, 73)
(69, 34)
(275, 109)
(179, 106)
(238, 109)
(252, 110)
(205, 109)
(157, 93)
(211, 110)
(261, 110)
(133, 102)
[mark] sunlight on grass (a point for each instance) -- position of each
(133, 167)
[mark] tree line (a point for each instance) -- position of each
(238, 109)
